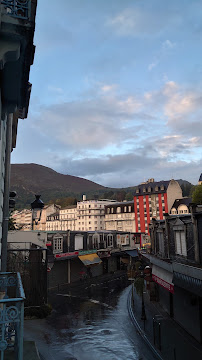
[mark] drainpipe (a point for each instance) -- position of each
(6, 193)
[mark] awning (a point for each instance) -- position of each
(90, 259)
(163, 278)
(132, 253)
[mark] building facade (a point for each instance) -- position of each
(120, 217)
(91, 214)
(152, 200)
(176, 260)
(17, 25)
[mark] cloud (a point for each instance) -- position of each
(167, 44)
(92, 123)
(153, 65)
(140, 22)
(128, 169)
(55, 89)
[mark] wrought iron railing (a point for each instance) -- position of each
(17, 8)
(11, 315)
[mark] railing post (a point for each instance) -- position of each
(21, 331)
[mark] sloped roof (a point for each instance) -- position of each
(152, 186)
(184, 201)
(200, 178)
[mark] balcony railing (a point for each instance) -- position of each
(17, 8)
(11, 315)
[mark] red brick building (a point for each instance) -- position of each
(152, 200)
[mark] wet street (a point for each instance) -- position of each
(88, 328)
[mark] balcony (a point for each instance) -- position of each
(17, 8)
(11, 316)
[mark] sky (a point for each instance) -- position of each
(116, 91)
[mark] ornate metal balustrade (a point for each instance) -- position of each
(11, 315)
(17, 8)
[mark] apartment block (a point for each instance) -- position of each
(120, 217)
(91, 214)
(152, 200)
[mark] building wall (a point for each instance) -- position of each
(58, 274)
(174, 192)
(120, 217)
(186, 311)
(34, 237)
(91, 215)
(2, 166)
(148, 207)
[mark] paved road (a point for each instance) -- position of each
(93, 328)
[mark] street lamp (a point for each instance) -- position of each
(37, 205)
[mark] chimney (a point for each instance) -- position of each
(84, 197)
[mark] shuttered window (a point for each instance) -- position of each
(78, 242)
(180, 241)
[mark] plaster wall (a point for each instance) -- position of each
(174, 192)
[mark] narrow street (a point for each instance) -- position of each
(93, 328)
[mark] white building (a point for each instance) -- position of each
(68, 217)
(120, 217)
(91, 214)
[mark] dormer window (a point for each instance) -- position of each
(137, 191)
(162, 187)
(156, 188)
(149, 189)
(144, 189)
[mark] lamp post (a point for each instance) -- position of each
(37, 205)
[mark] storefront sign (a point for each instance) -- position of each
(163, 283)
(86, 252)
(66, 255)
(48, 244)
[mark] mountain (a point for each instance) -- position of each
(30, 179)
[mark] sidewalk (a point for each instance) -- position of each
(173, 342)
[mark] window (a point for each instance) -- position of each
(109, 240)
(125, 208)
(160, 242)
(180, 243)
(118, 209)
(129, 209)
(95, 241)
(57, 244)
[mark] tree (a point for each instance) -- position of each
(197, 195)
(129, 196)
